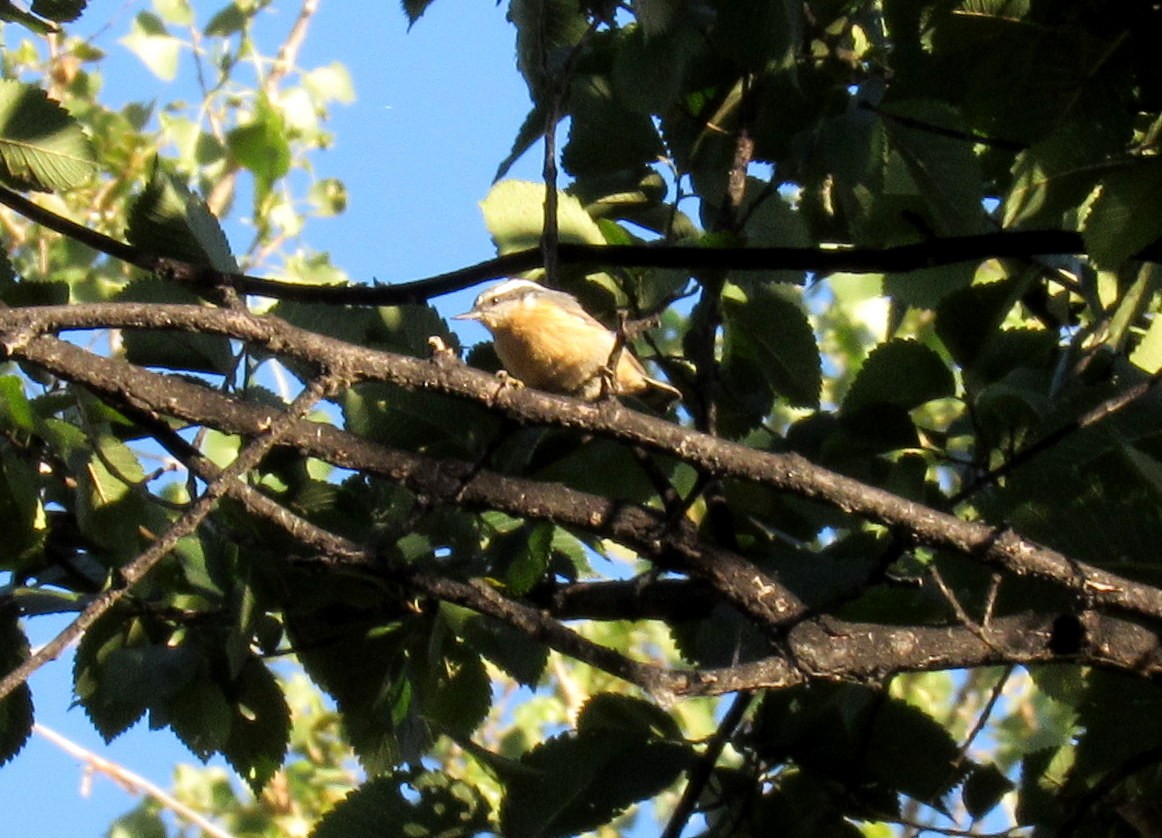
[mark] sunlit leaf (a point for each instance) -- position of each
(261, 145)
(41, 146)
(1148, 353)
(514, 213)
(150, 41)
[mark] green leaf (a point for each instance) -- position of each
(513, 651)
(35, 602)
(759, 33)
(110, 511)
(112, 680)
(900, 373)
(414, 9)
(1110, 739)
(648, 71)
(546, 32)
(142, 822)
(229, 20)
(10, 12)
(177, 12)
(1052, 178)
(805, 805)
(407, 329)
(632, 717)
(771, 222)
(984, 788)
(514, 214)
(199, 715)
(1042, 776)
(967, 320)
(62, 11)
(15, 409)
(150, 41)
(531, 130)
(169, 220)
(1147, 355)
(598, 465)
(416, 420)
(1127, 213)
(261, 725)
(169, 349)
(770, 331)
(927, 287)
(261, 145)
(8, 283)
(16, 707)
(405, 805)
(526, 557)
(604, 135)
(41, 145)
(584, 780)
(454, 690)
(912, 752)
(21, 511)
(657, 16)
(721, 638)
(820, 727)
(351, 646)
(32, 292)
(350, 324)
(943, 169)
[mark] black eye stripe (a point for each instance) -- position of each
(512, 295)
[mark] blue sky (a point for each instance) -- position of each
(436, 110)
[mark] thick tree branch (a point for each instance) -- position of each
(815, 649)
(671, 545)
(998, 548)
(833, 649)
(871, 652)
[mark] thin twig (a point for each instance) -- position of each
(932, 252)
(1091, 417)
(131, 781)
(701, 772)
(985, 713)
(288, 52)
(559, 87)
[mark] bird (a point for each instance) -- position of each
(547, 340)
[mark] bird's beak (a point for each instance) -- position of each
(472, 314)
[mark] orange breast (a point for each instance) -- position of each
(552, 350)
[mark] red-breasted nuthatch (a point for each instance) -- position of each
(548, 341)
